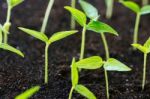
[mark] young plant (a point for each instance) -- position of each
(11, 4)
(139, 12)
(47, 13)
(73, 23)
(28, 93)
(146, 50)
(11, 49)
(109, 8)
(96, 62)
(78, 87)
(48, 41)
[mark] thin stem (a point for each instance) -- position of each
(144, 71)
(105, 45)
(71, 91)
(46, 63)
(144, 2)
(47, 13)
(109, 9)
(107, 85)
(136, 29)
(83, 43)
(73, 23)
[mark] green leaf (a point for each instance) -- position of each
(93, 62)
(89, 9)
(145, 10)
(147, 44)
(141, 48)
(85, 92)
(101, 27)
(15, 2)
(60, 35)
(36, 34)
(79, 16)
(131, 5)
(74, 73)
(28, 93)
(10, 48)
(114, 65)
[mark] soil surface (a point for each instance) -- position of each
(18, 74)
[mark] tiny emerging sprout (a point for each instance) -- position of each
(73, 23)
(28, 93)
(78, 87)
(11, 4)
(139, 12)
(146, 50)
(47, 13)
(11, 49)
(48, 41)
(96, 62)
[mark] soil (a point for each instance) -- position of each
(18, 74)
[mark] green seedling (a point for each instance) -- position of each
(109, 8)
(146, 50)
(28, 93)
(47, 13)
(48, 41)
(73, 23)
(11, 49)
(96, 62)
(139, 12)
(81, 89)
(11, 4)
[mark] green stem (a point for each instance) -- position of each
(73, 23)
(109, 10)
(71, 91)
(107, 85)
(136, 29)
(47, 13)
(144, 71)
(46, 63)
(105, 45)
(83, 43)
(144, 2)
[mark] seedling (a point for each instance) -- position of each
(81, 89)
(96, 62)
(73, 23)
(146, 50)
(11, 4)
(41, 36)
(109, 8)
(28, 93)
(47, 13)
(11, 49)
(139, 12)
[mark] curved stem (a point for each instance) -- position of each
(136, 29)
(107, 85)
(83, 43)
(109, 10)
(144, 71)
(47, 13)
(46, 63)
(73, 23)
(105, 45)
(71, 91)
(144, 2)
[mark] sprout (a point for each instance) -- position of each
(47, 13)
(78, 87)
(139, 12)
(73, 23)
(41, 36)
(146, 50)
(96, 62)
(28, 93)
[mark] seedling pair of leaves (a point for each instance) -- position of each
(146, 50)
(94, 25)
(48, 41)
(139, 12)
(91, 63)
(28, 93)
(11, 4)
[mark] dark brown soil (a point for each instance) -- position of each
(18, 74)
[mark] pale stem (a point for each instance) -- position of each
(71, 91)
(144, 71)
(46, 64)
(73, 23)
(109, 9)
